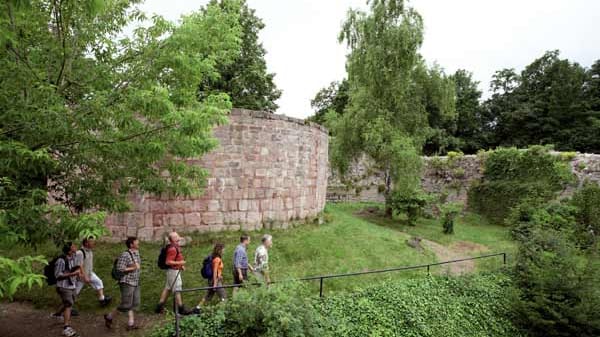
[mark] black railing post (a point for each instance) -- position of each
(176, 311)
(427, 269)
(504, 258)
(321, 288)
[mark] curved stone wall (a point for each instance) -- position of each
(268, 171)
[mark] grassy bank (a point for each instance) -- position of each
(345, 243)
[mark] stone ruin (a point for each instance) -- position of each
(364, 183)
(268, 171)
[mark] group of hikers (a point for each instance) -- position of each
(72, 270)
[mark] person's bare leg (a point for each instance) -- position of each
(130, 318)
(164, 295)
(100, 294)
(67, 316)
(178, 300)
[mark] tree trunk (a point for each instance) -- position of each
(388, 193)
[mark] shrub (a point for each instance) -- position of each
(411, 203)
(275, 311)
(567, 156)
(449, 212)
(427, 307)
(453, 156)
(555, 276)
(556, 286)
(587, 203)
(512, 175)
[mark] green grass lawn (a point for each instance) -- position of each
(345, 243)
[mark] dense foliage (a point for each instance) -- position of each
(449, 213)
(511, 176)
(246, 79)
(390, 92)
(86, 117)
(558, 266)
(466, 306)
(333, 97)
(551, 101)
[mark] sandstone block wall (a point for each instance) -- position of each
(441, 176)
(268, 171)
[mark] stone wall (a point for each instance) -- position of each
(268, 171)
(449, 176)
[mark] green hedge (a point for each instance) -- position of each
(432, 306)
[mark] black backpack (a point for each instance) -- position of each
(115, 272)
(49, 270)
(162, 257)
(207, 271)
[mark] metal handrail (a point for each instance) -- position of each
(324, 277)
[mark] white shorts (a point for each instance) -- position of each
(95, 282)
(174, 281)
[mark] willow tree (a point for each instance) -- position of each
(386, 117)
(88, 117)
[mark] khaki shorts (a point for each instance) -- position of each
(67, 296)
(174, 282)
(130, 297)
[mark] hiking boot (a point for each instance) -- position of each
(182, 310)
(160, 308)
(108, 321)
(74, 312)
(106, 301)
(69, 332)
(57, 315)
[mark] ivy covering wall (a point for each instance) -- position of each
(511, 176)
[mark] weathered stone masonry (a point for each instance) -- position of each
(363, 181)
(268, 171)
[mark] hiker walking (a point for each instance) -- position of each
(66, 273)
(240, 262)
(261, 259)
(173, 261)
(85, 259)
(127, 270)
(212, 270)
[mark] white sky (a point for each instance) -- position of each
(481, 36)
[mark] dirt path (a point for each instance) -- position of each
(22, 320)
(456, 251)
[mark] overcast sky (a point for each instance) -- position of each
(481, 36)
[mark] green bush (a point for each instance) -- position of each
(449, 212)
(430, 306)
(274, 311)
(587, 203)
(511, 176)
(556, 277)
(411, 203)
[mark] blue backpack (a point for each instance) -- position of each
(207, 271)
